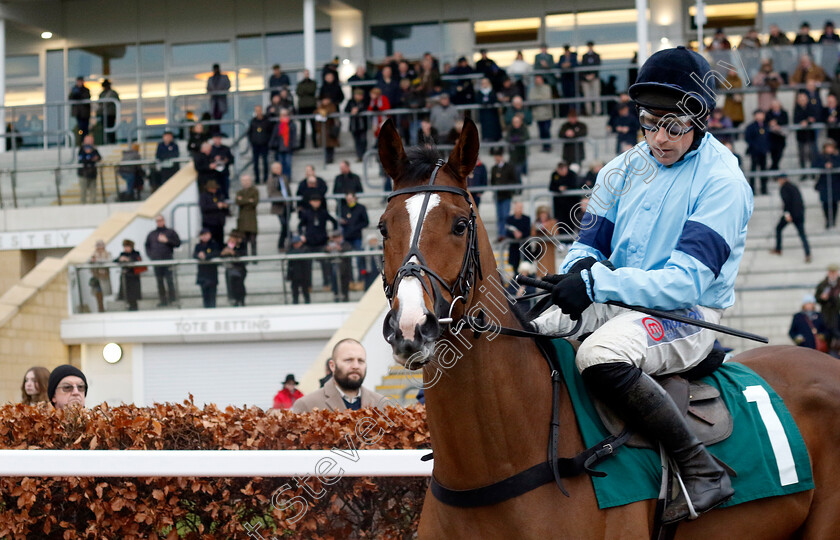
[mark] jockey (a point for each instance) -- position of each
(664, 228)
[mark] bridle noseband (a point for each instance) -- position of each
(470, 265)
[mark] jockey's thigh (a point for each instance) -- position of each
(656, 346)
(592, 318)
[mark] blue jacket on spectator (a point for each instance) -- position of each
(757, 138)
(800, 331)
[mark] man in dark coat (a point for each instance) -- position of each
(488, 115)
(222, 159)
(502, 174)
(808, 324)
(331, 89)
(311, 186)
(572, 128)
(828, 184)
(518, 228)
(108, 111)
(80, 111)
(204, 166)
(160, 245)
(777, 119)
(828, 297)
(757, 137)
(794, 212)
(306, 91)
(277, 80)
(313, 219)
(217, 86)
(300, 271)
(214, 211)
(358, 123)
(563, 179)
(259, 134)
(477, 178)
(130, 276)
(167, 151)
(207, 275)
(346, 182)
(353, 219)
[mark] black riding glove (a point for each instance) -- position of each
(582, 264)
(569, 294)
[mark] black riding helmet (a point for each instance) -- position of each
(679, 81)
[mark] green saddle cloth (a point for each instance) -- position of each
(765, 449)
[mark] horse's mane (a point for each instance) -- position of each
(421, 161)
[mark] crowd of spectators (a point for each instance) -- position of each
(815, 329)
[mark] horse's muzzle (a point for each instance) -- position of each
(412, 353)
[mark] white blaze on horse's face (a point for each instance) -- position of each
(410, 290)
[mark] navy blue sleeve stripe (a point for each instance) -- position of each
(597, 232)
(705, 245)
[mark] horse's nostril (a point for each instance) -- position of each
(430, 329)
(390, 327)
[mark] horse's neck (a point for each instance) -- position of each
(489, 412)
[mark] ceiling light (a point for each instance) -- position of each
(112, 353)
(46, 35)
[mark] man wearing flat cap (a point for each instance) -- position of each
(67, 387)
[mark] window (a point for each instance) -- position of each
(410, 39)
(202, 55)
(19, 67)
(287, 49)
(506, 31)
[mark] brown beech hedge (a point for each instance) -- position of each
(208, 508)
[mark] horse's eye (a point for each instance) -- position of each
(460, 227)
(383, 229)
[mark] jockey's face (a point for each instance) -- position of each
(667, 142)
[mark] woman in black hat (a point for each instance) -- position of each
(130, 276)
(287, 396)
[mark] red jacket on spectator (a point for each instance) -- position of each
(285, 399)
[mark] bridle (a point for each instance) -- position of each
(470, 270)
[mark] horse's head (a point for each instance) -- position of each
(430, 230)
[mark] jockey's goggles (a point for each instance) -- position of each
(674, 125)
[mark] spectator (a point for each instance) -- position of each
(588, 181)
(346, 182)
(806, 70)
(299, 271)
(306, 90)
(329, 128)
(491, 71)
(831, 117)
(828, 184)
(777, 119)
(545, 226)
(733, 103)
(429, 74)
(590, 84)
(130, 275)
(131, 173)
(331, 90)
(388, 85)
(247, 199)
(477, 178)
(312, 226)
(282, 140)
(235, 272)
(198, 136)
(341, 267)
(353, 219)
(378, 103)
(828, 296)
(517, 136)
(443, 115)
(518, 108)
(768, 80)
(834, 87)
(517, 228)
(508, 91)
(218, 85)
(277, 81)
(805, 115)
(259, 134)
(574, 129)
(427, 135)
(455, 132)
(222, 159)
(204, 167)
(165, 155)
(540, 91)
(278, 187)
(35, 384)
(214, 211)
(345, 391)
(776, 37)
(807, 327)
(311, 185)
(518, 69)
(567, 62)
(719, 122)
(358, 123)
(728, 145)
(100, 280)
(719, 42)
(544, 61)
(488, 114)
(361, 81)
(814, 99)
(758, 145)
(207, 275)
(373, 263)
(160, 245)
(88, 158)
(502, 174)
(626, 128)
(803, 37)
(282, 100)
(829, 36)
(80, 109)
(108, 112)
(67, 387)
(287, 396)
(793, 212)
(562, 180)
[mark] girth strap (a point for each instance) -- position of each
(530, 479)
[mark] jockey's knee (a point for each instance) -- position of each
(593, 352)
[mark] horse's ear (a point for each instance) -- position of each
(463, 157)
(391, 151)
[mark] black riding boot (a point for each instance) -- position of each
(648, 409)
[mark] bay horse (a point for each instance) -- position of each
(488, 412)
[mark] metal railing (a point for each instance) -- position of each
(268, 291)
